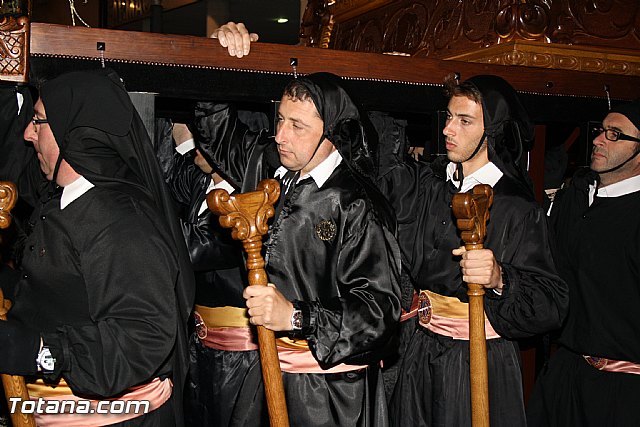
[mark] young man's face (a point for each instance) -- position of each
(298, 134)
(609, 154)
(463, 129)
(43, 141)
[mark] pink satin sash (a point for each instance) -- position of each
(610, 365)
(156, 392)
(296, 359)
(458, 329)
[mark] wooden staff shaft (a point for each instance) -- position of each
(269, 361)
(247, 214)
(479, 375)
(14, 385)
(472, 213)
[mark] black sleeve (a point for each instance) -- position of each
(357, 328)
(535, 299)
(225, 141)
(18, 161)
(210, 246)
(130, 288)
(405, 185)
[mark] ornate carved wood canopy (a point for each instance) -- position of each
(565, 34)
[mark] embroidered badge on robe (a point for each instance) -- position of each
(326, 230)
(201, 327)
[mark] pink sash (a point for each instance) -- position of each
(610, 365)
(295, 356)
(156, 392)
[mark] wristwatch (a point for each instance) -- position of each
(296, 319)
(45, 361)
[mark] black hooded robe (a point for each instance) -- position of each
(346, 279)
(216, 377)
(433, 387)
(106, 280)
(598, 254)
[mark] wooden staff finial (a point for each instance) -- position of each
(14, 385)
(472, 213)
(247, 214)
(8, 198)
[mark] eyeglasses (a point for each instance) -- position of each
(38, 122)
(613, 135)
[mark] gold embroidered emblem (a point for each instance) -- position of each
(326, 230)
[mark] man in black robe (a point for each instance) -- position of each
(331, 254)
(216, 372)
(594, 377)
(486, 132)
(106, 283)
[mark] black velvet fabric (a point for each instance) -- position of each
(109, 274)
(444, 399)
(630, 110)
(533, 301)
(570, 392)
(598, 253)
(510, 132)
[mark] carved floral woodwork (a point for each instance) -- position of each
(446, 28)
(14, 49)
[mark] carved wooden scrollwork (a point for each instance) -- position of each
(405, 29)
(8, 198)
(598, 22)
(527, 21)
(14, 49)
(446, 28)
(314, 19)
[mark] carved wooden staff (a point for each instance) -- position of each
(472, 213)
(247, 215)
(14, 385)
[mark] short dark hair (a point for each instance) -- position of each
(453, 88)
(297, 91)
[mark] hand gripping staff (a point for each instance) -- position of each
(14, 385)
(247, 215)
(472, 213)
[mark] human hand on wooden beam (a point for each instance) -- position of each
(236, 38)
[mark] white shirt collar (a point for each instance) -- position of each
(487, 174)
(74, 190)
(320, 173)
(621, 188)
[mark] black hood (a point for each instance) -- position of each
(509, 131)
(342, 126)
(631, 110)
(102, 137)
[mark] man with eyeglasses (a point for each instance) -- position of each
(105, 285)
(594, 377)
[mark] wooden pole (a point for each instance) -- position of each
(472, 213)
(247, 215)
(14, 385)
